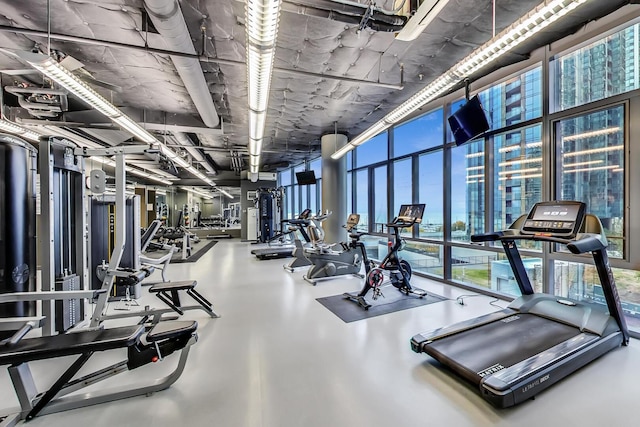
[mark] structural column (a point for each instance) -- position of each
(334, 187)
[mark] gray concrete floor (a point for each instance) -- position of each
(278, 358)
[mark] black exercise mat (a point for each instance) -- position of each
(393, 300)
(197, 250)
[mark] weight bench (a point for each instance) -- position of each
(169, 294)
(142, 348)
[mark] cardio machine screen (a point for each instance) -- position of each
(558, 218)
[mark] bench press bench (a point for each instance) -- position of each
(142, 347)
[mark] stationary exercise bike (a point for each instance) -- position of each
(392, 270)
(328, 263)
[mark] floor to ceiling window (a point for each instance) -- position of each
(361, 186)
(582, 150)
(517, 174)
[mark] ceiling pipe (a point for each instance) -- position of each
(186, 143)
(167, 17)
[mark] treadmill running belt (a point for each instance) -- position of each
(501, 344)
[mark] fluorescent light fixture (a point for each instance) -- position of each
(134, 171)
(148, 176)
(255, 146)
(342, 151)
(15, 129)
(256, 124)
(52, 69)
(225, 193)
(533, 22)
(426, 13)
(198, 192)
(128, 124)
(261, 22)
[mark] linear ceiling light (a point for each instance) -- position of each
(521, 30)
(134, 171)
(19, 130)
(52, 69)
(198, 192)
(225, 193)
(261, 17)
(426, 13)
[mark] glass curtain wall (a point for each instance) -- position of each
(581, 151)
(300, 197)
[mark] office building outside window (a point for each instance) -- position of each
(607, 67)
(590, 162)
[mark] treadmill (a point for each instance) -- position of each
(286, 250)
(515, 353)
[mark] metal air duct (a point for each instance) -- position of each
(188, 145)
(169, 21)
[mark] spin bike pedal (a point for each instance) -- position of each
(420, 293)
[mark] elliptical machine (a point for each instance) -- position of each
(299, 258)
(328, 263)
(392, 270)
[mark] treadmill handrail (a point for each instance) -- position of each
(587, 243)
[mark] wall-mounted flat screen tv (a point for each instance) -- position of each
(468, 122)
(306, 177)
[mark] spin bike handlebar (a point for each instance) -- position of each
(400, 224)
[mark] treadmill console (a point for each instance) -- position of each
(556, 218)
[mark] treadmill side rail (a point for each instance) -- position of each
(496, 390)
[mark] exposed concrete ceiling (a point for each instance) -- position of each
(330, 70)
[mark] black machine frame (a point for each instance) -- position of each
(538, 339)
(398, 270)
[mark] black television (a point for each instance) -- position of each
(306, 177)
(468, 122)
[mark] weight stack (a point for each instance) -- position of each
(68, 312)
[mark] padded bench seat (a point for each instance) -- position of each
(173, 329)
(40, 348)
(169, 294)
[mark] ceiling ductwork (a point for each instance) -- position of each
(40, 102)
(363, 15)
(186, 142)
(169, 21)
